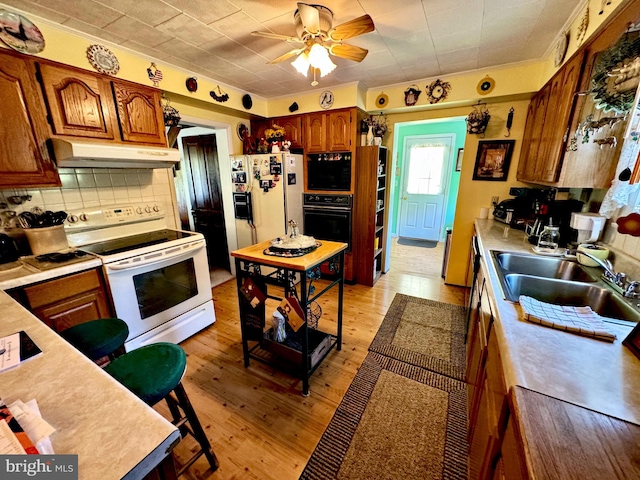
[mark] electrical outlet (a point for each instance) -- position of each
(494, 200)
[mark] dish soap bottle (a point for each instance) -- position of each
(549, 239)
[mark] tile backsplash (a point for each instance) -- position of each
(86, 187)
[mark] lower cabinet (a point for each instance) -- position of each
(67, 301)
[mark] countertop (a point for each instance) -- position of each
(28, 275)
(598, 375)
(114, 433)
(323, 252)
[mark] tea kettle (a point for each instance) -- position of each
(8, 249)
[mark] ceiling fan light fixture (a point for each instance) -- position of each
(301, 64)
(319, 59)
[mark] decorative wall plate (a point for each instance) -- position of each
(243, 131)
(561, 48)
(102, 59)
(19, 33)
(326, 99)
(486, 85)
(437, 90)
(247, 101)
(382, 100)
(192, 84)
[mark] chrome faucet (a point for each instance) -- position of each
(629, 289)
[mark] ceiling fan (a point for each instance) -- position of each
(318, 39)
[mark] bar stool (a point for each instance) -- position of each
(104, 337)
(154, 372)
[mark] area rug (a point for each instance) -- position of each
(424, 333)
(396, 421)
(413, 242)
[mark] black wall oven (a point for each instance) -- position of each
(328, 217)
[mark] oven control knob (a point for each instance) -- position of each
(139, 210)
(72, 219)
(147, 209)
(83, 217)
(156, 208)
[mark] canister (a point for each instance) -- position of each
(47, 239)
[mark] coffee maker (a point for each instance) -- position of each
(556, 213)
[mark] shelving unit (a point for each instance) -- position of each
(370, 213)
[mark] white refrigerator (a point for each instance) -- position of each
(275, 182)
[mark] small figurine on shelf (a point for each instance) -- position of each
(263, 146)
(286, 145)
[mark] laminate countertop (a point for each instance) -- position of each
(598, 375)
(113, 432)
(27, 275)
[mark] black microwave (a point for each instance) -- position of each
(329, 171)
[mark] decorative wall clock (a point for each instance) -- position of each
(326, 99)
(102, 59)
(20, 33)
(437, 90)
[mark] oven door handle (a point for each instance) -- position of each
(163, 258)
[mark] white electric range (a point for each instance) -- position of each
(158, 278)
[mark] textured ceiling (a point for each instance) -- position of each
(414, 39)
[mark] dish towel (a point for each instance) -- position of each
(580, 320)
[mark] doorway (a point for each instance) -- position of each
(201, 164)
(427, 162)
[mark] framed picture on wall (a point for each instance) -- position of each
(493, 160)
(459, 159)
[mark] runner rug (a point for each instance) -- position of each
(396, 421)
(424, 333)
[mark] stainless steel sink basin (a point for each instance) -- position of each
(561, 292)
(560, 282)
(538, 266)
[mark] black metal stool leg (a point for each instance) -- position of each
(196, 430)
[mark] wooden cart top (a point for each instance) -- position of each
(324, 252)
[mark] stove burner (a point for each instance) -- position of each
(58, 257)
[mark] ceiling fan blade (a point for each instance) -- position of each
(275, 36)
(289, 54)
(350, 52)
(310, 18)
(352, 28)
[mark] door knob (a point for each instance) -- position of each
(404, 198)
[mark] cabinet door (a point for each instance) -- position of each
(339, 134)
(68, 301)
(293, 129)
(530, 170)
(24, 157)
(74, 311)
(81, 104)
(315, 135)
(139, 114)
(258, 127)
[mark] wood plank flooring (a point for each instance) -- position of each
(259, 424)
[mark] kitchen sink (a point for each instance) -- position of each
(558, 283)
(537, 266)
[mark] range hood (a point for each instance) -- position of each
(73, 153)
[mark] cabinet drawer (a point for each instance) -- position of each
(62, 288)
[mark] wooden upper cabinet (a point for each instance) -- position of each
(80, 104)
(339, 134)
(315, 132)
(24, 156)
(139, 113)
(293, 127)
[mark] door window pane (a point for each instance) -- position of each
(425, 170)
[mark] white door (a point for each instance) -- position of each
(426, 164)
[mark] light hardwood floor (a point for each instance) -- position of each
(259, 424)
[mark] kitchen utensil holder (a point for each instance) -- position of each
(46, 239)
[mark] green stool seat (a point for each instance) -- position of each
(151, 372)
(97, 338)
(154, 372)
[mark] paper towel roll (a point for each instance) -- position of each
(490, 214)
(596, 250)
(484, 212)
